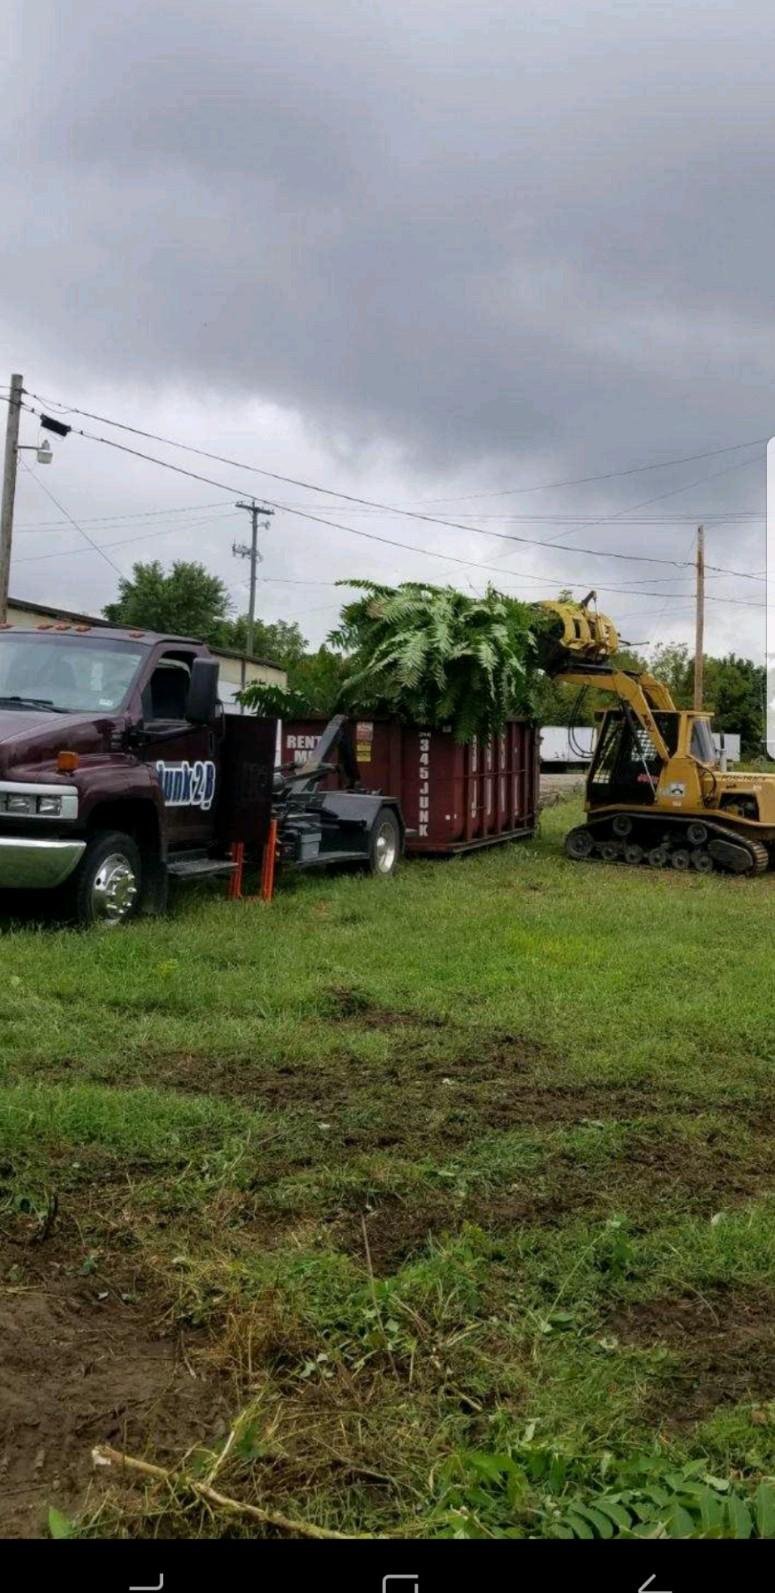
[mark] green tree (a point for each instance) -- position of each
(315, 678)
(280, 641)
(186, 601)
(734, 691)
(672, 665)
(319, 678)
(315, 684)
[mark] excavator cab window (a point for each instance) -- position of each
(702, 744)
(626, 766)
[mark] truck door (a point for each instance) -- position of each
(185, 755)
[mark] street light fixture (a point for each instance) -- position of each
(42, 449)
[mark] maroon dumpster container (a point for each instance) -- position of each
(453, 798)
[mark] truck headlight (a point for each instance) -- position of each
(50, 805)
(19, 804)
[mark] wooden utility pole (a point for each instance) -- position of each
(699, 624)
(252, 553)
(9, 489)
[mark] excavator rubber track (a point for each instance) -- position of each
(659, 840)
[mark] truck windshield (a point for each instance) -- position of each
(68, 673)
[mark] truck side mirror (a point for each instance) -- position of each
(203, 691)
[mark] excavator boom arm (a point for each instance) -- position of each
(630, 689)
(578, 648)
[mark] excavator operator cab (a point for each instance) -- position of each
(626, 765)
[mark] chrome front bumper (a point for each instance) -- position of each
(36, 865)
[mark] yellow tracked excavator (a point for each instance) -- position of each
(655, 793)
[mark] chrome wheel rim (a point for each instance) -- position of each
(385, 849)
(114, 890)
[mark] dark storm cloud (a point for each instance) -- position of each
(492, 230)
(458, 245)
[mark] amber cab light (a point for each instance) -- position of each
(67, 762)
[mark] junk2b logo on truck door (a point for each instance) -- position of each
(187, 785)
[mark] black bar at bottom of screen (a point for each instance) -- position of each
(391, 1566)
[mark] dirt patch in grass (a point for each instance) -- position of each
(436, 1087)
(656, 1167)
(495, 1080)
(705, 1171)
(397, 1229)
(349, 1004)
(724, 1343)
(81, 1365)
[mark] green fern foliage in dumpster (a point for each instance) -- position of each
(436, 657)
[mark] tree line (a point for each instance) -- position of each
(734, 692)
(189, 601)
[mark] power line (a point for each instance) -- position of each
(74, 523)
(411, 514)
(372, 536)
(389, 541)
(165, 531)
(726, 516)
(674, 492)
(369, 536)
(608, 475)
(112, 519)
(743, 575)
(125, 542)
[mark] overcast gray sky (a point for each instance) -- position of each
(412, 251)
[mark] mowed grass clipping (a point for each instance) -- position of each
(452, 1197)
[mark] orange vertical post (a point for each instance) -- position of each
(269, 861)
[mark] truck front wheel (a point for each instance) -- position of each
(105, 888)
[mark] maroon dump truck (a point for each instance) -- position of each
(120, 770)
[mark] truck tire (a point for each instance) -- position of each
(105, 888)
(385, 844)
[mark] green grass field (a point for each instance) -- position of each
(444, 1206)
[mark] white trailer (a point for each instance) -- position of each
(561, 745)
(565, 747)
